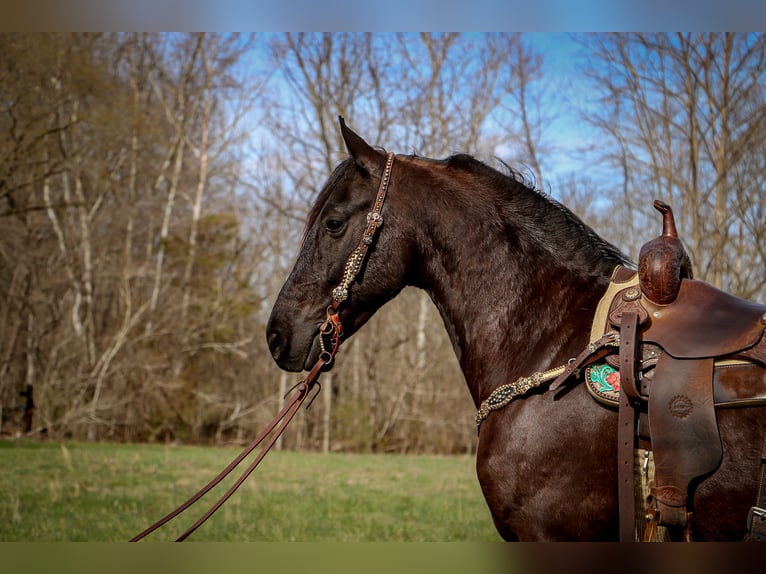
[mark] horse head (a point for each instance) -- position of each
(335, 226)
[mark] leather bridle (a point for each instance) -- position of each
(330, 333)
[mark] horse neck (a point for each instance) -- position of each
(511, 306)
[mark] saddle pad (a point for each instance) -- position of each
(600, 324)
(603, 383)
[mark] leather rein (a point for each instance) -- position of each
(330, 333)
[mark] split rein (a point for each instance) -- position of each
(330, 333)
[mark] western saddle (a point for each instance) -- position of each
(685, 349)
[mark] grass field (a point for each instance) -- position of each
(110, 492)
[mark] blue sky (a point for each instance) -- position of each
(572, 93)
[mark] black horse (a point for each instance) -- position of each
(516, 278)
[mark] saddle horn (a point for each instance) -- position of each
(663, 261)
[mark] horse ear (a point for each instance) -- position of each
(365, 156)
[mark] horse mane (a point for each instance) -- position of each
(469, 163)
(525, 205)
(541, 212)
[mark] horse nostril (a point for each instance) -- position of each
(277, 344)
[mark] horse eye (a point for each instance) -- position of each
(334, 225)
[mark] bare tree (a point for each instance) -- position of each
(684, 112)
(109, 145)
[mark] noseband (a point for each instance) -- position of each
(330, 333)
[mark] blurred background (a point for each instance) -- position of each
(153, 191)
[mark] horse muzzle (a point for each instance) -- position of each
(292, 350)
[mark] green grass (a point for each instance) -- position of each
(110, 492)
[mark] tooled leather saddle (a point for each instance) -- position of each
(685, 349)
